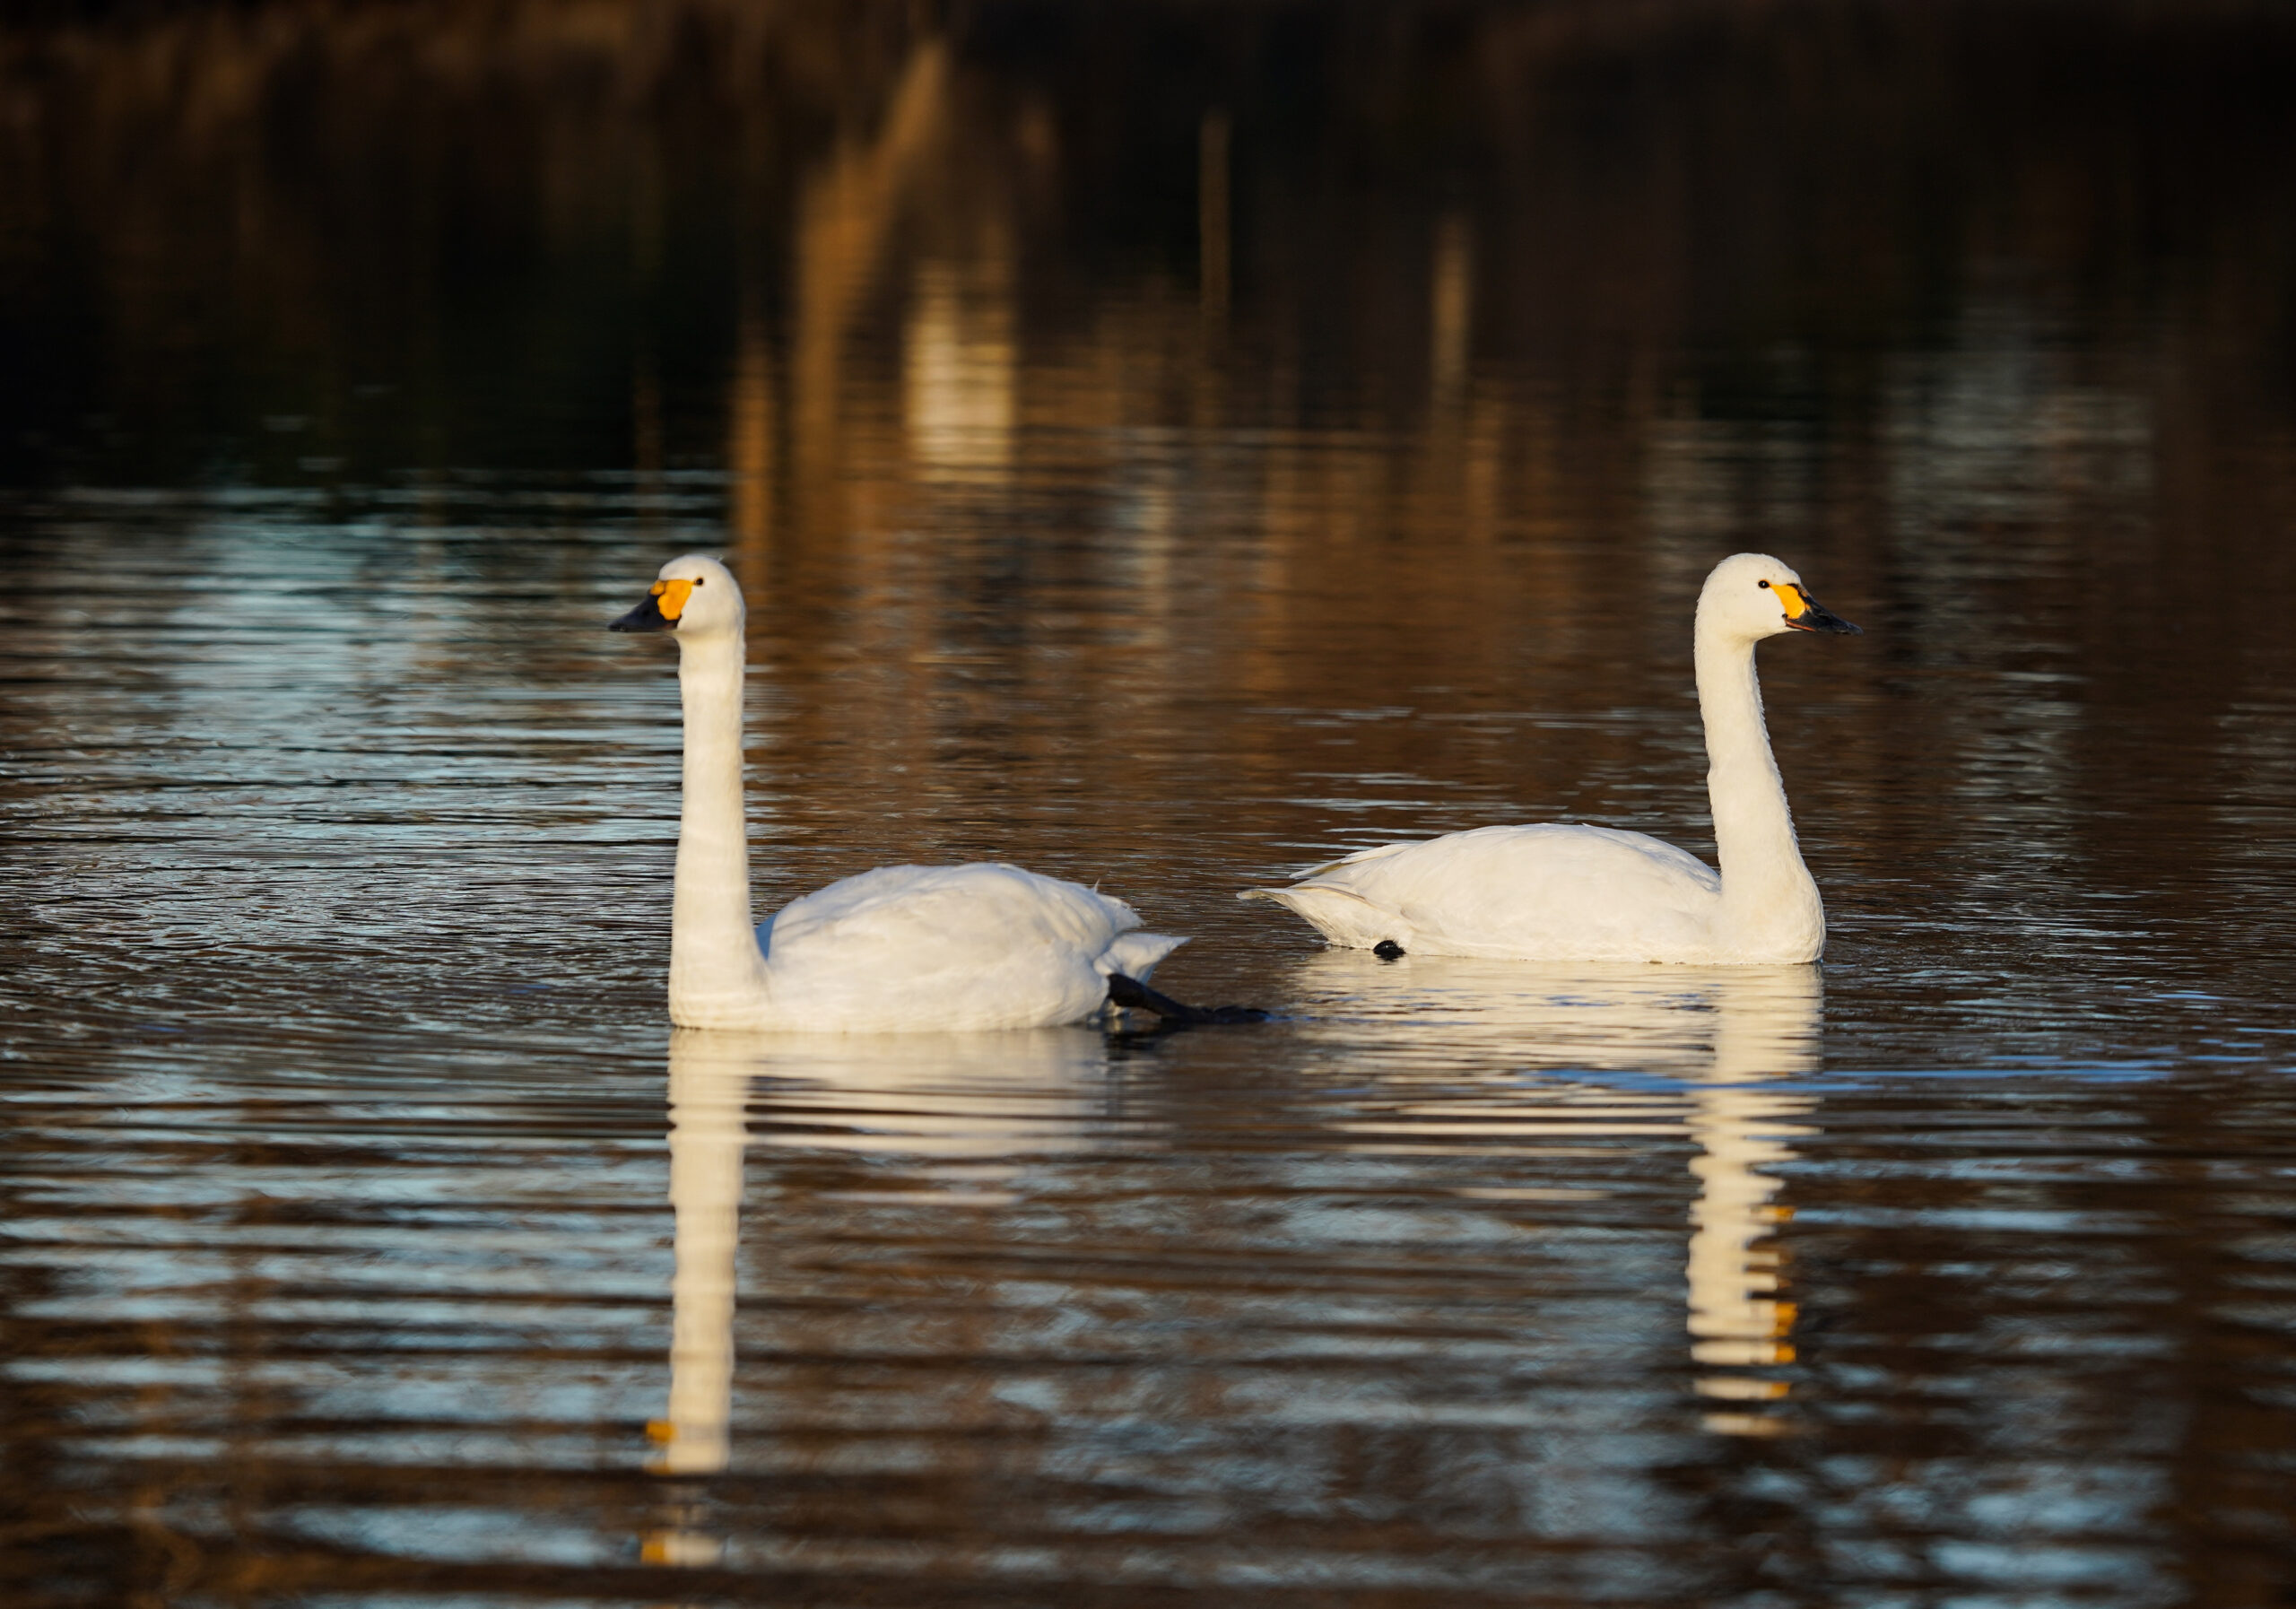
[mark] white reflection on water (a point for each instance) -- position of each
(946, 1096)
(1766, 1028)
(1726, 1032)
(706, 1140)
(1647, 1055)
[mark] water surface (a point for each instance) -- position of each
(1167, 457)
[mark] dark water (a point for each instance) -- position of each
(1164, 448)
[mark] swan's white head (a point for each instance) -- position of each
(1753, 595)
(693, 596)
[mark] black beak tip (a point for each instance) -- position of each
(1817, 617)
(646, 617)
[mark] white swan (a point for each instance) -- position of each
(1595, 893)
(900, 949)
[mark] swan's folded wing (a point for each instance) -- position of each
(981, 906)
(1524, 891)
(972, 945)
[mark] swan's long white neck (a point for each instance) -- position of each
(715, 963)
(1771, 910)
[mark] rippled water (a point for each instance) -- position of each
(368, 1239)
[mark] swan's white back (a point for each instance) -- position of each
(1598, 894)
(902, 949)
(950, 947)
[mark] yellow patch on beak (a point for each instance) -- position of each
(672, 596)
(1790, 596)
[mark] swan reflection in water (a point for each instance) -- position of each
(943, 1097)
(1728, 1033)
(1647, 1054)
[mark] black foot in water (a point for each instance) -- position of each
(1387, 950)
(1130, 992)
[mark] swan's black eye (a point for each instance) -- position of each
(1761, 583)
(698, 580)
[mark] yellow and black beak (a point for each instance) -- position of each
(664, 601)
(1806, 613)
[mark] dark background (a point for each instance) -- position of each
(459, 234)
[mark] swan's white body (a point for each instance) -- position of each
(900, 949)
(1595, 893)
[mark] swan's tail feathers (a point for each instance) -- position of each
(1131, 993)
(1343, 918)
(1137, 954)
